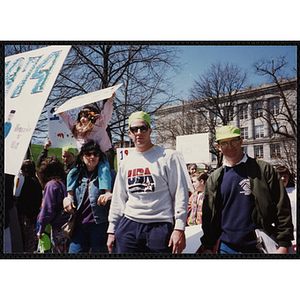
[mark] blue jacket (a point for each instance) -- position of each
(100, 212)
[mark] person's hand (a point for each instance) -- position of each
(39, 235)
(207, 251)
(112, 97)
(177, 239)
(110, 242)
(104, 198)
(68, 205)
(282, 250)
(47, 144)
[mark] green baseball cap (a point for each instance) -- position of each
(69, 149)
(140, 115)
(227, 132)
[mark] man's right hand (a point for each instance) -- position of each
(110, 242)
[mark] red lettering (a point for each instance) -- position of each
(140, 171)
(134, 172)
(129, 173)
(147, 171)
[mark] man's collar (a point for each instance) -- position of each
(243, 160)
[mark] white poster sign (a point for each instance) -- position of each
(123, 154)
(59, 133)
(88, 98)
(193, 235)
(194, 147)
(29, 78)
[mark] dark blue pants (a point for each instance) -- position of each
(89, 236)
(133, 237)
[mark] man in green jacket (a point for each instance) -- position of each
(241, 196)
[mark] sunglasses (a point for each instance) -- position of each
(233, 143)
(88, 154)
(143, 129)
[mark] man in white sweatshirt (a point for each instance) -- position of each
(150, 197)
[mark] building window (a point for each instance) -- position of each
(275, 150)
(244, 133)
(259, 151)
(229, 113)
(245, 149)
(259, 131)
(274, 106)
(243, 111)
(258, 109)
(275, 127)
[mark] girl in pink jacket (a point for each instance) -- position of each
(91, 125)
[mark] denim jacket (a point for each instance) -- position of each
(100, 212)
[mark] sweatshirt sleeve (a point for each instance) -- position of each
(117, 203)
(178, 186)
(43, 155)
(67, 120)
(49, 204)
(107, 112)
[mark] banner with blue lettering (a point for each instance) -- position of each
(29, 78)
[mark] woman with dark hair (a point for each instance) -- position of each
(28, 205)
(92, 210)
(52, 177)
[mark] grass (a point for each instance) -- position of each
(36, 150)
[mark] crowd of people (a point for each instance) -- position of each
(146, 206)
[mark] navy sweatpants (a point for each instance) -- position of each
(133, 237)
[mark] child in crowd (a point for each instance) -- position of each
(196, 199)
(52, 177)
(91, 125)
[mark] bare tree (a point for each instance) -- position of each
(282, 120)
(215, 95)
(142, 69)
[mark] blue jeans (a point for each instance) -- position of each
(89, 236)
(133, 237)
(225, 249)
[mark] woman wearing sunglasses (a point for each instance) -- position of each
(91, 209)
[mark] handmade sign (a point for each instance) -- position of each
(58, 132)
(193, 235)
(88, 98)
(194, 147)
(29, 78)
(123, 154)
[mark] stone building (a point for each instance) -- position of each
(260, 112)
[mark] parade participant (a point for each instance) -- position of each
(240, 196)
(28, 205)
(192, 169)
(150, 195)
(91, 125)
(52, 176)
(289, 184)
(194, 210)
(92, 212)
(68, 155)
